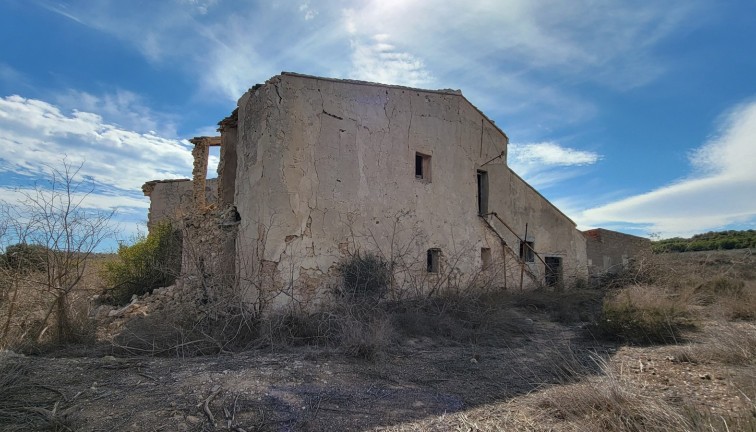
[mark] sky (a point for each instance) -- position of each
(638, 116)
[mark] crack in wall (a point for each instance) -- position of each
(332, 115)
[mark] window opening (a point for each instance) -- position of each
(527, 253)
(485, 257)
(482, 192)
(422, 167)
(434, 260)
(553, 270)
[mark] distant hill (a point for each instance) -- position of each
(708, 241)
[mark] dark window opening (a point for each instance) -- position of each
(482, 192)
(527, 251)
(434, 260)
(553, 271)
(422, 166)
(485, 257)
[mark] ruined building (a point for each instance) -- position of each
(611, 251)
(315, 170)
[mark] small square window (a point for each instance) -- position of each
(422, 167)
(527, 251)
(434, 260)
(485, 257)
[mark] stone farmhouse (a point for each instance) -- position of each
(315, 170)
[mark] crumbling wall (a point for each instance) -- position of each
(172, 200)
(326, 168)
(611, 251)
(228, 159)
(208, 262)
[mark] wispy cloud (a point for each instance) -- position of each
(199, 6)
(721, 189)
(378, 60)
(505, 56)
(95, 200)
(11, 75)
(121, 108)
(546, 163)
(35, 134)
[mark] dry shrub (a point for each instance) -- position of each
(609, 403)
(713, 289)
(644, 314)
(366, 339)
(183, 331)
(464, 318)
(365, 329)
(739, 305)
(728, 344)
(579, 305)
(357, 327)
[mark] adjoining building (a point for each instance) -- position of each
(611, 251)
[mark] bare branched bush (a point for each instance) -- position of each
(364, 276)
(48, 238)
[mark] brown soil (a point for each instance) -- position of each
(419, 385)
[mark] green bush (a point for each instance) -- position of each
(722, 240)
(151, 262)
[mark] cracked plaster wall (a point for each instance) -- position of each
(324, 166)
(173, 200)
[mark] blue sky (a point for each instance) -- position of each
(638, 116)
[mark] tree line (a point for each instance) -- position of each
(713, 240)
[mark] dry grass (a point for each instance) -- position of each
(27, 405)
(609, 403)
(725, 343)
(577, 305)
(645, 315)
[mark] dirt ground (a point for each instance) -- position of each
(420, 385)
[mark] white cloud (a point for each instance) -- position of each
(547, 163)
(720, 191)
(507, 56)
(94, 200)
(35, 134)
(123, 108)
(378, 60)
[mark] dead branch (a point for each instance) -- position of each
(206, 405)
